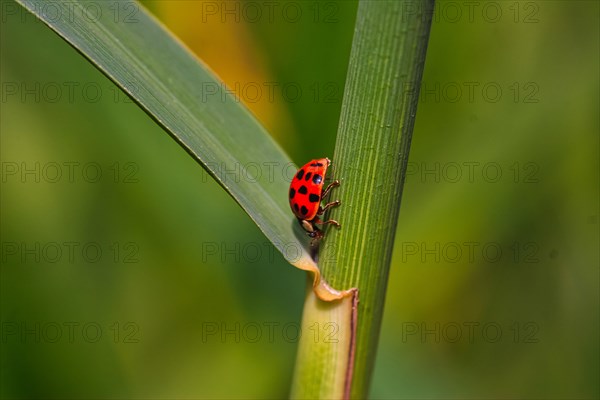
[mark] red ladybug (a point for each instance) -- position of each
(306, 193)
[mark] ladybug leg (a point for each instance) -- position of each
(329, 187)
(327, 206)
(328, 222)
(332, 222)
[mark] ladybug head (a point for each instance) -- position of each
(311, 229)
(317, 234)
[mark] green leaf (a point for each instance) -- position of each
(376, 123)
(184, 97)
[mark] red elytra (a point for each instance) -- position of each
(306, 193)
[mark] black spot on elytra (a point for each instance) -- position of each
(313, 198)
(300, 174)
(304, 210)
(317, 179)
(307, 177)
(303, 190)
(292, 193)
(296, 208)
(319, 164)
(313, 164)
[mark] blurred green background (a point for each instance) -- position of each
(128, 273)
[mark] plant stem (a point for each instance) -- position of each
(377, 119)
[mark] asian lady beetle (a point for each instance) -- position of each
(306, 193)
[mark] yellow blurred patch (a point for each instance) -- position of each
(222, 39)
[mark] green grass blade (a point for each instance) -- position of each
(182, 95)
(324, 362)
(376, 123)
